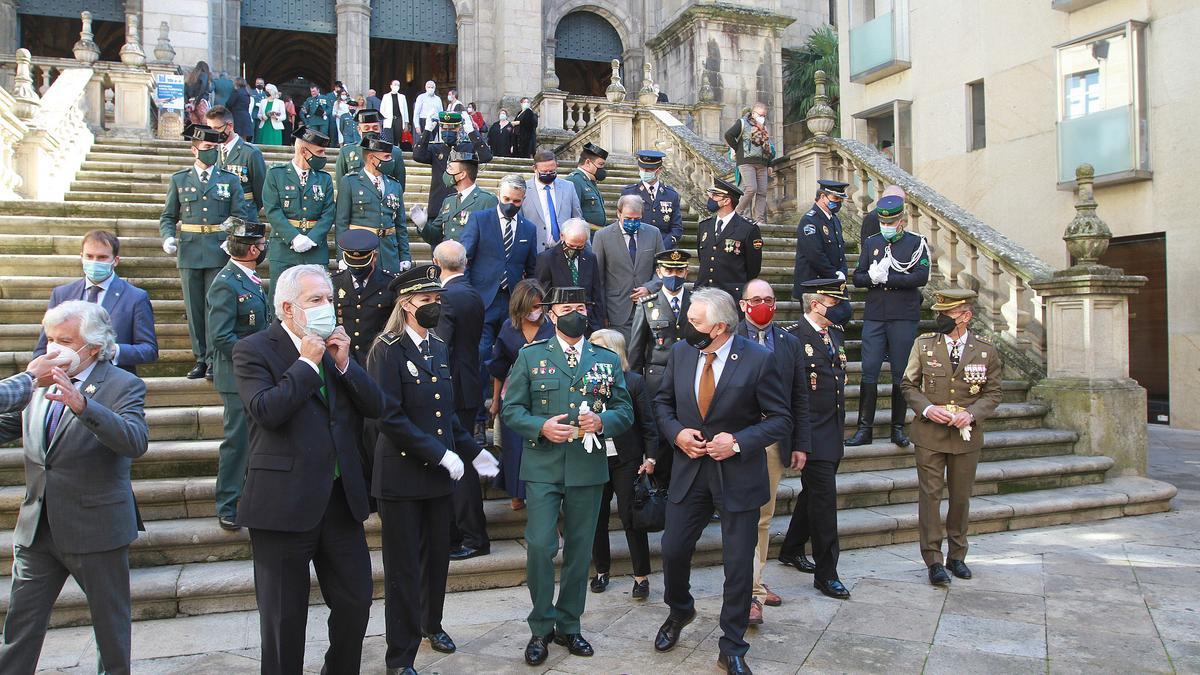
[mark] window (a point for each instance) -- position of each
(1101, 106)
(878, 39)
(888, 128)
(976, 119)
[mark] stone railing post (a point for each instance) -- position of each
(26, 96)
(814, 159)
(1087, 354)
(86, 51)
(131, 52)
(551, 109)
(131, 101)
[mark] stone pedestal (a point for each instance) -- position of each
(708, 122)
(131, 115)
(1087, 381)
(93, 100)
(616, 133)
(550, 108)
(354, 44)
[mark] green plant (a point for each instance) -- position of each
(820, 52)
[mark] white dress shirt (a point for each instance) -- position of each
(301, 172)
(426, 105)
(250, 271)
(200, 172)
(87, 283)
(564, 345)
(229, 143)
(718, 365)
(462, 196)
(652, 188)
(416, 337)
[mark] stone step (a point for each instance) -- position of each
(23, 336)
(166, 591)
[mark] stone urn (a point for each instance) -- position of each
(646, 95)
(163, 51)
(86, 51)
(821, 118)
(131, 51)
(615, 91)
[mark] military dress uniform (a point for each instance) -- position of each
(562, 476)
(820, 247)
(452, 219)
(362, 205)
(350, 158)
(430, 148)
(237, 307)
(591, 202)
(729, 248)
(295, 206)
(661, 206)
(362, 293)
(945, 457)
(246, 162)
(193, 215)
(317, 112)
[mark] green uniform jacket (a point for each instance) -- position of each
(284, 200)
(975, 387)
(452, 219)
(350, 159)
(313, 120)
(191, 203)
(541, 386)
(590, 200)
(237, 307)
(359, 203)
(246, 162)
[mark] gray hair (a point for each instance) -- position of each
(513, 181)
(450, 256)
(95, 327)
(575, 226)
(719, 307)
(809, 298)
(633, 203)
(287, 289)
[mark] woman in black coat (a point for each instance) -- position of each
(239, 105)
(629, 454)
(500, 135)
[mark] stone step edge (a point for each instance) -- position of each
(206, 588)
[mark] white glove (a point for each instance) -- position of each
(878, 272)
(418, 216)
(225, 246)
(405, 265)
(341, 263)
(451, 462)
(486, 464)
(467, 125)
(841, 275)
(169, 246)
(301, 243)
(430, 123)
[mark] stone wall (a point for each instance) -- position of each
(190, 29)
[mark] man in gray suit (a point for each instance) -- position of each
(550, 201)
(81, 433)
(625, 253)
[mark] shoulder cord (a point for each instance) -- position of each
(905, 267)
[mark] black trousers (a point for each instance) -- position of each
(621, 477)
(739, 535)
(416, 564)
(337, 548)
(815, 518)
(890, 341)
(469, 525)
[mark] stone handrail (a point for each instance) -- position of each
(691, 161)
(57, 139)
(12, 130)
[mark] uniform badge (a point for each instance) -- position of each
(812, 381)
(974, 389)
(318, 192)
(810, 229)
(934, 363)
(983, 355)
(412, 369)
(875, 252)
(222, 191)
(654, 314)
(808, 349)
(551, 370)
(825, 229)
(392, 202)
(90, 389)
(287, 203)
(253, 318)
(757, 243)
(703, 237)
(341, 293)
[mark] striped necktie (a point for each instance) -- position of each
(509, 236)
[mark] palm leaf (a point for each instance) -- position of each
(820, 52)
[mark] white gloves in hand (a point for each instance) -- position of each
(841, 275)
(879, 271)
(451, 463)
(430, 123)
(418, 216)
(169, 246)
(486, 464)
(341, 263)
(301, 243)
(405, 265)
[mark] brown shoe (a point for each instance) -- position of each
(517, 504)
(756, 612)
(771, 599)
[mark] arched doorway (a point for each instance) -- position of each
(50, 28)
(584, 45)
(414, 41)
(286, 42)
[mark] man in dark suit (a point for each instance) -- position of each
(820, 246)
(723, 405)
(306, 502)
(729, 247)
(78, 519)
(758, 306)
(572, 263)
(128, 306)
(362, 293)
(814, 517)
(501, 250)
(460, 326)
(442, 135)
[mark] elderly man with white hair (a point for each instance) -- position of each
(625, 251)
(571, 263)
(305, 497)
(81, 430)
(426, 105)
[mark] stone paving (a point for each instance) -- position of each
(1111, 596)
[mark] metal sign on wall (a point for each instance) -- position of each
(586, 36)
(309, 16)
(415, 21)
(102, 10)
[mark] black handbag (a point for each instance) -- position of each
(649, 505)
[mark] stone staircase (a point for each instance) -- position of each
(185, 564)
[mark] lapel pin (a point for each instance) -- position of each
(90, 389)
(733, 357)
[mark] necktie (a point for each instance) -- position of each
(553, 214)
(93, 293)
(828, 345)
(632, 246)
(204, 177)
(762, 338)
(572, 357)
(675, 307)
(955, 354)
(54, 416)
(708, 384)
(303, 178)
(573, 263)
(720, 226)
(425, 349)
(509, 236)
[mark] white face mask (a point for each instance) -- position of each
(319, 320)
(503, 117)
(395, 88)
(63, 357)
(525, 105)
(534, 316)
(429, 90)
(761, 119)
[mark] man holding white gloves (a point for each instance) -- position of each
(441, 135)
(299, 204)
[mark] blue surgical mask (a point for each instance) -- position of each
(96, 270)
(839, 314)
(888, 231)
(320, 320)
(712, 205)
(834, 207)
(631, 225)
(673, 283)
(647, 176)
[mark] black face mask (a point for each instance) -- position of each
(712, 206)
(694, 337)
(673, 283)
(548, 177)
(944, 324)
(572, 324)
(571, 253)
(262, 255)
(360, 273)
(601, 174)
(449, 137)
(510, 210)
(839, 314)
(427, 316)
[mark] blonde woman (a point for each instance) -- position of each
(271, 114)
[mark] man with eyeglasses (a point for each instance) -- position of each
(729, 246)
(571, 263)
(820, 247)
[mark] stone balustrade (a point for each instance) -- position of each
(12, 130)
(57, 139)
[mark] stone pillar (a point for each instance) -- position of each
(8, 26)
(549, 74)
(1087, 381)
(354, 44)
(550, 106)
(131, 104)
(616, 135)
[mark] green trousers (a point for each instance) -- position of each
(233, 456)
(195, 291)
(580, 507)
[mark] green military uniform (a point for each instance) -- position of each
(361, 206)
(237, 308)
(944, 457)
(452, 219)
(562, 476)
(193, 215)
(350, 159)
(590, 199)
(246, 162)
(294, 208)
(317, 112)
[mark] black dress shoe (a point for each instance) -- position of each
(641, 589)
(441, 642)
(466, 552)
(800, 562)
(208, 375)
(600, 583)
(538, 648)
(574, 643)
(958, 568)
(406, 670)
(736, 665)
(898, 436)
(832, 587)
(863, 436)
(938, 575)
(198, 371)
(668, 633)
(228, 524)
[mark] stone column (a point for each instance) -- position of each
(1087, 358)
(354, 43)
(131, 104)
(8, 26)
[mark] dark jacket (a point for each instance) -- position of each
(553, 270)
(826, 382)
(500, 139)
(900, 297)
(791, 373)
(461, 328)
(820, 249)
(437, 155)
(640, 440)
(363, 312)
(729, 260)
(131, 315)
(655, 330)
(487, 266)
